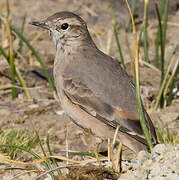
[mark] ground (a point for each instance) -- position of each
(41, 112)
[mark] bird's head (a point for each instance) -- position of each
(65, 28)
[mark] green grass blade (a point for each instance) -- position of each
(51, 154)
(116, 37)
(162, 53)
(11, 59)
(164, 25)
(140, 38)
(145, 19)
(47, 163)
(22, 31)
(2, 51)
(13, 140)
(157, 41)
(169, 136)
(141, 114)
(36, 55)
(160, 94)
(41, 146)
(160, 137)
(30, 152)
(139, 103)
(21, 148)
(171, 53)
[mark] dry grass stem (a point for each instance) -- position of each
(149, 65)
(172, 24)
(6, 160)
(115, 136)
(112, 147)
(109, 41)
(6, 86)
(23, 173)
(163, 84)
(118, 157)
(97, 157)
(109, 149)
(23, 83)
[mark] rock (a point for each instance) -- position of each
(143, 156)
(161, 164)
(159, 149)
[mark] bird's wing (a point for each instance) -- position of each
(81, 95)
(104, 89)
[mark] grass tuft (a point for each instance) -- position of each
(166, 136)
(10, 140)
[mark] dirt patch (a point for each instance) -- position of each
(89, 172)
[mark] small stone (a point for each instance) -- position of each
(59, 112)
(173, 176)
(136, 164)
(148, 163)
(33, 106)
(159, 149)
(161, 164)
(140, 174)
(177, 155)
(143, 156)
(127, 176)
(126, 165)
(156, 170)
(159, 178)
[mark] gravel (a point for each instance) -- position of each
(161, 164)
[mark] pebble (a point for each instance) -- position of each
(161, 164)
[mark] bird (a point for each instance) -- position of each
(94, 90)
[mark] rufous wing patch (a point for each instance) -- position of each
(126, 115)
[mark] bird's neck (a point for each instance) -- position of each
(73, 45)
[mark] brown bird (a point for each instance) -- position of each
(93, 88)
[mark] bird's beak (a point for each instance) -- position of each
(40, 24)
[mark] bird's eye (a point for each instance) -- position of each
(64, 26)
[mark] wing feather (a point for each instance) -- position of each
(103, 87)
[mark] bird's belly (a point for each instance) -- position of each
(84, 119)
